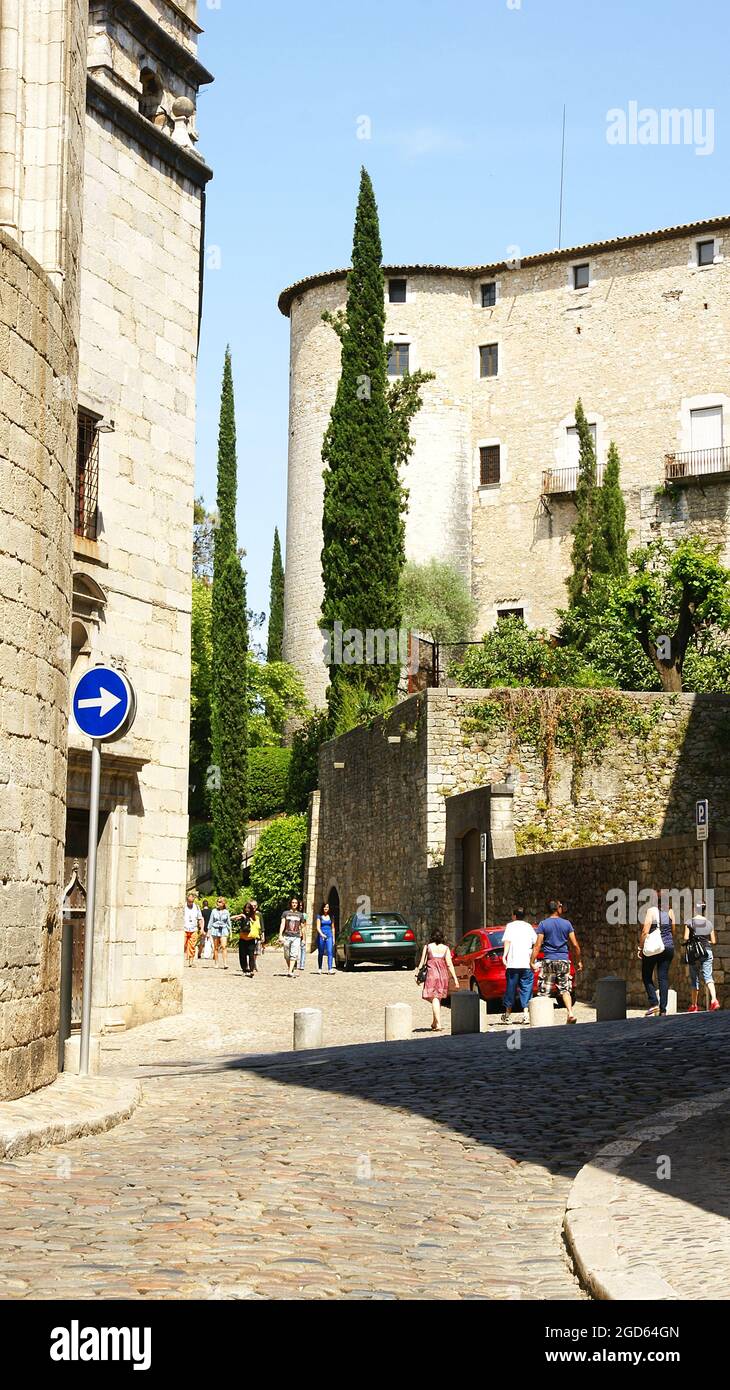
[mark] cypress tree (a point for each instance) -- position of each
(587, 523)
(613, 517)
(276, 604)
(229, 635)
(363, 524)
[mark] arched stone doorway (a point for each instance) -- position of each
(471, 882)
(333, 898)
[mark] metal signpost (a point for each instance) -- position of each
(483, 852)
(104, 706)
(702, 826)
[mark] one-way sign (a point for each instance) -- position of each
(103, 703)
(702, 819)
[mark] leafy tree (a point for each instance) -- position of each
(277, 867)
(204, 524)
(437, 603)
(588, 507)
(276, 603)
(304, 764)
(275, 696)
(229, 639)
(366, 439)
(675, 598)
(200, 696)
(268, 779)
(515, 655)
(614, 536)
(598, 629)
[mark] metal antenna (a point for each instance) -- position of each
(562, 173)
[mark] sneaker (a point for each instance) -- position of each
(693, 1009)
(526, 1016)
(652, 1013)
(504, 1018)
(714, 1006)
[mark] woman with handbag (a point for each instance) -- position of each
(433, 972)
(699, 936)
(656, 949)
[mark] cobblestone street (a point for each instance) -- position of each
(438, 1168)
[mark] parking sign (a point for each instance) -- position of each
(702, 819)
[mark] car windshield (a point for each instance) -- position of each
(496, 938)
(379, 919)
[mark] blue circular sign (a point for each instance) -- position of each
(103, 703)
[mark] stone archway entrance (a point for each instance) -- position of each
(333, 898)
(471, 883)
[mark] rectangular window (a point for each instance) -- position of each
(488, 360)
(581, 276)
(574, 444)
(706, 427)
(398, 358)
(705, 252)
(489, 294)
(489, 469)
(511, 613)
(397, 291)
(87, 476)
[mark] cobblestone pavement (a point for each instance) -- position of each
(437, 1168)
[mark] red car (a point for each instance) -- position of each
(478, 965)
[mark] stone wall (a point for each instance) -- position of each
(615, 344)
(39, 368)
(583, 878)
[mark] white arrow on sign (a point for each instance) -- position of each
(104, 702)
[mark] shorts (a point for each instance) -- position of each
(292, 947)
(701, 971)
(554, 972)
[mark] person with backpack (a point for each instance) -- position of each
(656, 949)
(699, 937)
(248, 933)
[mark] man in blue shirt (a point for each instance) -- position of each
(554, 937)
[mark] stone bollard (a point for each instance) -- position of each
(72, 1055)
(465, 1012)
(672, 1001)
(542, 1011)
(307, 1028)
(398, 1022)
(610, 999)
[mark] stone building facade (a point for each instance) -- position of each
(102, 202)
(42, 75)
(638, 327)
(402, 805)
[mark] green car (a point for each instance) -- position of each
(377, 936)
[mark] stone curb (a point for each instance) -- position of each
(588, 1224)
(69, 1108)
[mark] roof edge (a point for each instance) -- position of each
(540, 258)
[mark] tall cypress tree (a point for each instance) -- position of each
(588, 519)
(276, 603)
(363, 524)
(613, 517)
(229, 633)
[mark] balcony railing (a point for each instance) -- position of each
(561, 482)
(697, 463)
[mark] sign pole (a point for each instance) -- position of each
(705, 871)
(483, 854)
(90, 906)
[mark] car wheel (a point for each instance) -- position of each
(348, 964)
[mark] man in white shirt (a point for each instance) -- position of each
(519, 939)
(193, 923)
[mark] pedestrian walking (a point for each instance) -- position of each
(291, 932)
(517, 943)
(261, 940)
(699, 936)
(656, 949)
(203, 938)
(193, 923)
(219, 927)
(555, 936)
(433, 971)
(247, 938)
(325, 939)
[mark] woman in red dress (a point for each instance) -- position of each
(436, 957)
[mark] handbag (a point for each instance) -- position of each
(695, 950)
(653, 942)
(421, 976)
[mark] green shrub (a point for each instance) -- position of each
(304, 763)
(268, 778)
(277, 868)
(200, 837)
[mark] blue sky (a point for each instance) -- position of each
(465, 102)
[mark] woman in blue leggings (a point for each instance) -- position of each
(325, 939)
